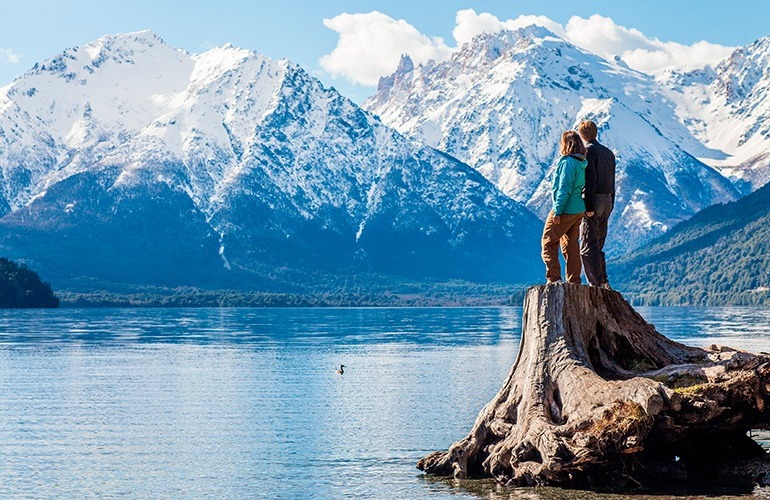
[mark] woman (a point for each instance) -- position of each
(563, 222)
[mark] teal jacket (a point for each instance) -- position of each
(568, 185)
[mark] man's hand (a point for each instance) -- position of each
(590, 214)
(557, 219)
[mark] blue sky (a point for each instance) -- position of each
(34, 30)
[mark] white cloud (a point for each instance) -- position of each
(602, 36)
(370, 45)
(9, 56)
(672, 54)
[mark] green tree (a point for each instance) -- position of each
(22, 287)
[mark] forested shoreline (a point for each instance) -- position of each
(21, 287)
(438, 296)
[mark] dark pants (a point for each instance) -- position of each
(593, 233)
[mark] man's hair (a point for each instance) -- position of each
(587, 130)
(571, 144)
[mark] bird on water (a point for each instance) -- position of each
(341, 370)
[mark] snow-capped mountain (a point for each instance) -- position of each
(727, 107)
(502, 101)
(132, 161)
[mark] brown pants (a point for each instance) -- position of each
(565, 234)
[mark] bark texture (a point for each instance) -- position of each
(597, 394)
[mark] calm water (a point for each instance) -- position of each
(240, 403)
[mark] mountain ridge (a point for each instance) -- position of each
(250, 164)
(724, 104)
(502, 100)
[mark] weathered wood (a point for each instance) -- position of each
(596, 392)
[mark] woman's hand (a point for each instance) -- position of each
(557, 219)
(590, 214)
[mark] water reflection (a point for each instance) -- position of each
(491, 490)
(740, 327)
(301, 326)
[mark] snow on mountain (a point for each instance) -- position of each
(130, 161)
(71, 110)
(725, 105)
(502, 101)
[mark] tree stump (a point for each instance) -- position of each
(596, 394)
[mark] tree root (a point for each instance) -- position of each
(596, 392)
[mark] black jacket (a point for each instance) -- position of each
(600, 173)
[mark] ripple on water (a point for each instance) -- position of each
(246, 403)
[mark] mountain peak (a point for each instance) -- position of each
(487, 47)
(225, 55)
(761, 45)
(512, 38)
(405, 66)
(534, 31)
(143, 37)
(122, 48)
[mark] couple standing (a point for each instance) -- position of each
(583, 198)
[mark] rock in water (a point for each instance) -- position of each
(597, 394)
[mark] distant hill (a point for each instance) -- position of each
(721, 256)
(21, 287)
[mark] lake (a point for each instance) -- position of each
(234, 403)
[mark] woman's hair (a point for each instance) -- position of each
(571, 144)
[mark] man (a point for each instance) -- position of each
(599, 198)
